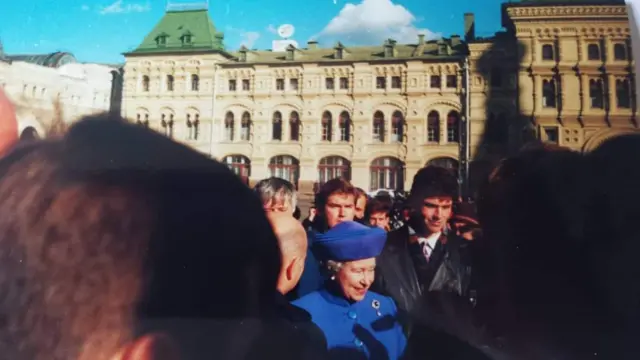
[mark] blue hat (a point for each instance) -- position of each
(349, 241)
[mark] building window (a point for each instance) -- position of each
(549, 93)
(593, 52)
(397, 127)
(245, 126)
(285, 167)
(452, 81)
(433, 127)
(145, 83)
(276, 131)
(232, 85)
(167, 125)
(378, 126)
(620, 52)
(381, 82)
(293, 84)
(141, 122)
(195, 83)
(339, 53)
(396, 83)
(547, 52)
(551, 135)
(239, 165)
(186, 39)
(345, 127)
(344, 83)
(496, 78)
(623, 93)
(161, 40)
(280, 84)
(387, 173)
(246, 85)
(333, 167)
(170, 82)
(294, 123)
(596, 93)
(453, 126)
(327, 127)
(435, 81)
(193, 125)
(329, 83)
(229, 126)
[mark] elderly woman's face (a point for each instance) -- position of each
(355, 278)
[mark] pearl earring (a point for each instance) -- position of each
(333, 277)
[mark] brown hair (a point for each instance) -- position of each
(331, 187)
(114, 226)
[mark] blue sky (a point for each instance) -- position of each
(100, 30)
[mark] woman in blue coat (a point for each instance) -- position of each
(357, 323)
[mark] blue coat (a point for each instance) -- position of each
(311, 279)
(367, 329)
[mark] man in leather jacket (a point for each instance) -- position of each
(424, 255)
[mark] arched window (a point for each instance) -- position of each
(240, 165)
(276, 134)
(596, 92)
(345, 126)
(444, 162)
(593, 52)
(327, 127)
(29, 134)
(193, 125)
(228, 126)
(195, 82)
(623, 93)
(387, 173)
(285, 167)
(453, 126)
(397, 127)
(433, 127)
(245, 128)
(145, 83)
(294, 123)
(378, 126)
(620, 51)
(549, 94)
(332, 167)
(142, 118)
(167, 124)
(170, 82)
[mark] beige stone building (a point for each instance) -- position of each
(377, 114)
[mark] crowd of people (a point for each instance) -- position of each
(117, 243)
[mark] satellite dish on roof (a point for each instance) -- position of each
(286, 31)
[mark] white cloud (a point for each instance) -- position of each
(119, 8)
(272, 29)
(85, 8)
(371, 22)
(247, 38)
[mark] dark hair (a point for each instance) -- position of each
(113, 227)
(432, 181)
(376, 206)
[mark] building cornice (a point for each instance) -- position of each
(516, 13)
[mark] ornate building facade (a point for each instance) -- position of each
(378, 114)
(54, 90)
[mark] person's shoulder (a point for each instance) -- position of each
(308, 300)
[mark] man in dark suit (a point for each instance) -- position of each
(423, 255)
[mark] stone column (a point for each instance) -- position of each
(537, 93)
(611, 87)
(584, 83)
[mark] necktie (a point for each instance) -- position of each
(427, 250)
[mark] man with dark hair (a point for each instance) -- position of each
(361, 206)
(423, 256)
(378, 213)
(114, 234)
